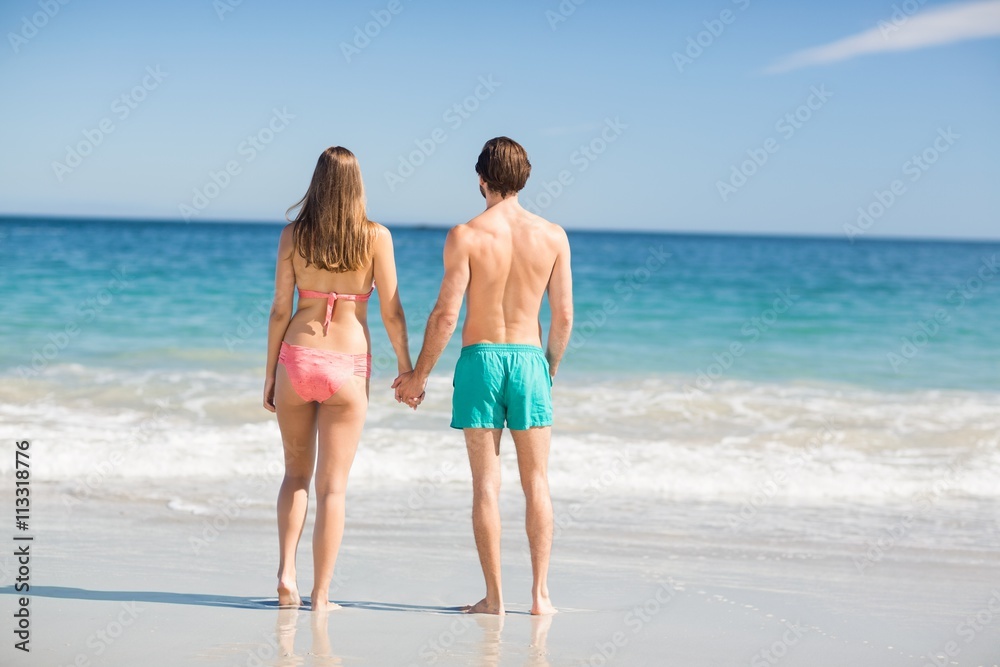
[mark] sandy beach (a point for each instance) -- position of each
(130, 577)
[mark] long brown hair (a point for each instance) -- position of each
(332, 230)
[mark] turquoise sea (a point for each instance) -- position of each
(712, 366)
(886, 315)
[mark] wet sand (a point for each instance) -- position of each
(131, 576)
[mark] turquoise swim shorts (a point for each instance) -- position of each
(497, 383)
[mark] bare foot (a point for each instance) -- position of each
(542, 606)
(288, 594)
(321, 603)
(484, 606)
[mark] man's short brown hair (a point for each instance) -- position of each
(503, 165)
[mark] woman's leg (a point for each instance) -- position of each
(297, 421)
(339, 423)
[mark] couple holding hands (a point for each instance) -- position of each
(502, 263)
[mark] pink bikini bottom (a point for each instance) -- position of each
(316, 375)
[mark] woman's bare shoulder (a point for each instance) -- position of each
(286, 242)
(383, 237)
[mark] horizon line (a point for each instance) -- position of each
(443, 227)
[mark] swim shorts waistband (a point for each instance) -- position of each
(501, 347)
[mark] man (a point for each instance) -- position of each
(502, 261)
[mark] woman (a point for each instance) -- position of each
(319, 360)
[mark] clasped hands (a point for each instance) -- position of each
(409, 389)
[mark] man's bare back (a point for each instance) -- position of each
(511, 255)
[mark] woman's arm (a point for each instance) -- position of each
(281, 311)
(390, 305)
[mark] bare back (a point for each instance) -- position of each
(348, 328)
(511, 256)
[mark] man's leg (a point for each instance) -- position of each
(484, 458)
(533, 464)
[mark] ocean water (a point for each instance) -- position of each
(749, 371)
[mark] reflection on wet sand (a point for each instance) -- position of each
(537, 652)
(285, 631)
(489, 644)
(321, 652)
(488, 648)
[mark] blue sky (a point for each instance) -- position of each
(639, 137)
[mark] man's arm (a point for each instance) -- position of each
(561, 304)
(444, 318)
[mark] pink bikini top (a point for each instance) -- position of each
(332, 298)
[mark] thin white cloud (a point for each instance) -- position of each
(954, 22)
